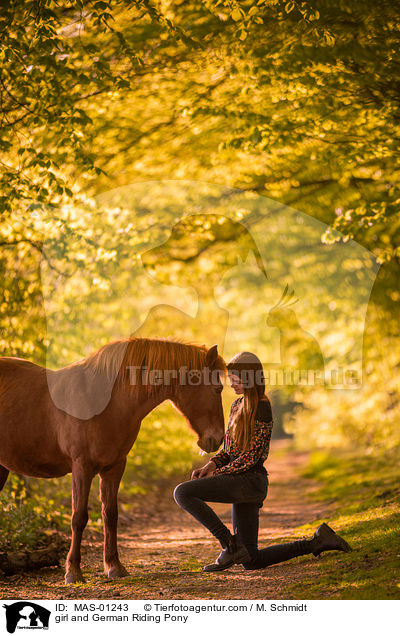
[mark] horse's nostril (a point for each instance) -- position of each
(213, 444)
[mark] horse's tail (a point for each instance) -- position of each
(3, 476)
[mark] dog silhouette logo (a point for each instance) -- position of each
(26, 615)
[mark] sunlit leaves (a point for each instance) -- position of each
(295, 100)
(52, 61)
(285, 91)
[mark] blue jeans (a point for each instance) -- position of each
(246, 492)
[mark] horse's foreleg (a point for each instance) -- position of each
(81, 481)
(3, 476)
(109, 484)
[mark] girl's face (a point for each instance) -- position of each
(236, 384)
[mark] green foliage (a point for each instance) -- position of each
(298, 99)
(368, 416)
(24, 519)
(67, 54)
(363, 493)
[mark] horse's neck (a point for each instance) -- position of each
(137, 405)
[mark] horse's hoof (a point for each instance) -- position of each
(73, 577)
(117, 572)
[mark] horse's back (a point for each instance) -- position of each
(8, 364)
(22, 390)
(21, 381)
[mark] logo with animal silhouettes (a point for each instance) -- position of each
(205, 264)
(26, 615)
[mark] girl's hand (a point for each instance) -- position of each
(206, 471)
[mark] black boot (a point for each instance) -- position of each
(326, 539)
(233, 552)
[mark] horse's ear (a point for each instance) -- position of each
(212, 355)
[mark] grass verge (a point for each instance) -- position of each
(364, 494)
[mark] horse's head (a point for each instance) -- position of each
(198, 398)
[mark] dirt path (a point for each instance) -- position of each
(165, 550)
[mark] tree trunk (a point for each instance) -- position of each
(24, 560)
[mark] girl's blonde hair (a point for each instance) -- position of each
(248, 368)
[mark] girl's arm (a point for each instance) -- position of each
(259, 448)
(221, 458)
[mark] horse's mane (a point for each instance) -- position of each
(114, 359)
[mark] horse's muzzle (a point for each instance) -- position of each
(209, 444)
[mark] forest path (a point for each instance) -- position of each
(164, 548)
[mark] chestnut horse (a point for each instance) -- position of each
(85, 418)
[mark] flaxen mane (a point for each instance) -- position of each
(117, 359)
